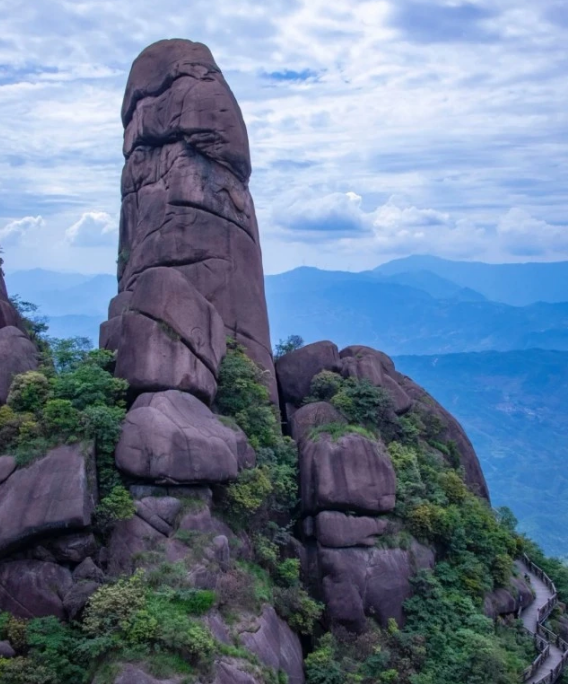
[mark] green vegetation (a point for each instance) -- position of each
(285, 346)
(263, 500)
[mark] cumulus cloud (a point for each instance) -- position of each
(94, 229)
(17, 232)
(526, 236)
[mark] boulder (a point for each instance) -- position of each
(296, 369)
(134, 674)
(6, 650)
(449, 430)
(88, 571)
(30, 588)
(77, 597)
(233, 671)
(172, 437)
(369, 364)
(312, 416)
(71, 548)
(17, 355)
(160, 512)
(338, 530)
(55, 493)
(7, 467)
(352, 474)
(186, 205)
(152, 357)
(505, 601)
(275, 644)
(360, 583)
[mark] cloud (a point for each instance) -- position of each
(94, 229)
(458, 106)
(17, 232)
(526, 236)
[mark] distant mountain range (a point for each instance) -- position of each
(514, 407)
(435, 306)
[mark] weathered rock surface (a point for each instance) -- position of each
(353, 473)
(338, 530)
(132, 674)
(311, 416)
(296, 369)
(186, 206)
(57, 492)
(275, 644)
(77, 597)
(17, 355)
(30, 588)
(369, 582)
(8, 314)
(172, 437)
(504, 601)
(7, 467)
(369, 364)
(6, 650)
(450, 430)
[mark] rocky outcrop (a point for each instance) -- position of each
(338, 530)
(358, 583)
(296, 369)
(369, 364)
(353, 473)
(312, 416)
(275, 644)
(30, 588)
(508, 600)
(17, 355)
(56, 493)
(187, 215)
(448, 430)
(173, 437)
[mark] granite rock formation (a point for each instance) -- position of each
(187, 210)
(17, 353)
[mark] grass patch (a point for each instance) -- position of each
(338, 430)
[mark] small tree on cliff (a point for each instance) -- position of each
(290, 344)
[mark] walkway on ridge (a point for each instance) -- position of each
(529, 617)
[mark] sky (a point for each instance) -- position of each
(377, 129)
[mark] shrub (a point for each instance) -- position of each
(325, 385)
(60, 418)
(248, 493)
(338, 430)
(298, 609)
(28, 392)
(117, 505)
(321, 666)
(364, 404)
(112, 607)
(287, 572)
(9, 427)
(89, 385)
(68, 353)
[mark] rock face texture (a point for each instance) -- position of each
(187, 216)
(56, 493)
(17, 353)
(354, 473)
(173, 437)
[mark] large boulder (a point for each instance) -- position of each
(369, 364)
(311, 416)
(448, 430)
(30, 588)
(275, 644)
(17, 355)
(172, 437)
(186, 204)
(508, 600)
(359, 583)
(338, 530)
(296, 369)
(353, 473)
(56, 493)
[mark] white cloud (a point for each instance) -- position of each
(465, 130)
(94, 229)
(522, 234)
(17, 232)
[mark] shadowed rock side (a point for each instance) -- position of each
(17, 353)
(186, 206)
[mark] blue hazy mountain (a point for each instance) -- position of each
(516, 284)
(514, 407)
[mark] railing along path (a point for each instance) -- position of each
(552, 649)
